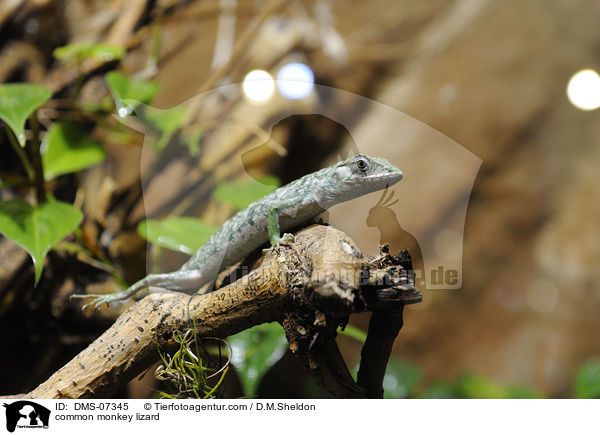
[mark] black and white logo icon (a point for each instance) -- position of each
(27, 415)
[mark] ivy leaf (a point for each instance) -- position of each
(183, 234)
(79, 51)
(68, 148)
(255, 351)
(17, 102)
(37, 229)
(124, 88)
(241, 194)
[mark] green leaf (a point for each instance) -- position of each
(255, 351)
(68, 148)
(519, 392)
(241, 194)
(124, 88)
(79, 51)
(587, 381)
(473, 386)
(165, 122)
(353, 332)
(17, 102)
(183, 234)
(37, 229)
(441, 391)
(192, 141)
(401, 378)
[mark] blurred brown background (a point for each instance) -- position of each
(489, 75)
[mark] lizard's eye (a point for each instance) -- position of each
(362, 164)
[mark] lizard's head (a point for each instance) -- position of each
(359, 175)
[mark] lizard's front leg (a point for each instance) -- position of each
(275, 231)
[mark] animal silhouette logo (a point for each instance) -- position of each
(26, 414)
(385, 219)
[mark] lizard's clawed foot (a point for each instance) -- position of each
(101, 299)
(285, 240)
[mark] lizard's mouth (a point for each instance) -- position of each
(389, 180)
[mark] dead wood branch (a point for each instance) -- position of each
(310, 287)
(384, 326)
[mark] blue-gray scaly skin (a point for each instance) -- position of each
(262, 221)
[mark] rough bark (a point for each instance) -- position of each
(311, 287)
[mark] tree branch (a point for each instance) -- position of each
(310, 287)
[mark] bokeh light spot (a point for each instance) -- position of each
(583, 90)
(258, 85)
(295, 81)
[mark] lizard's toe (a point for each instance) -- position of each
(99, 300)
(96, 302)
(82, 296)
(107, 299)
(286, 239)
(99, 303)
(273, 248)
(89, 304)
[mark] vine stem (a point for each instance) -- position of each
(22, 156)
(40, 189)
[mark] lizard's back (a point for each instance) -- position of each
(247, 230)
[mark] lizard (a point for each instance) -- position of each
(262, 221)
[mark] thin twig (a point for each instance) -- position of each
(40, 189)
(22, 156)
